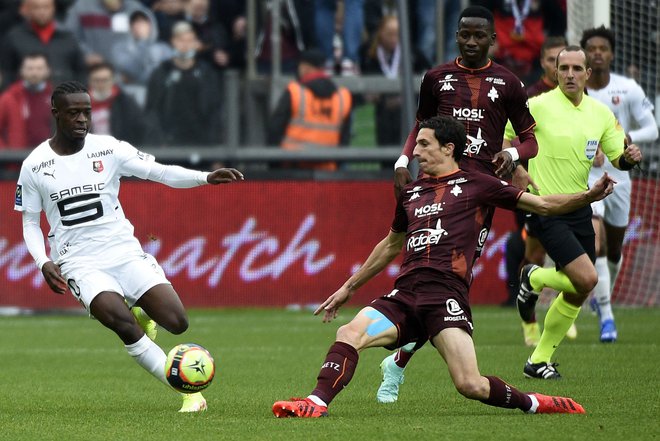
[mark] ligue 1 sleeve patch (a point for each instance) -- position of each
(19, 195)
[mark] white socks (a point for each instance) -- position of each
(410, 347)
(316, 400)
(535, 404)
(150, 356)
(602, 291)
(614, 268)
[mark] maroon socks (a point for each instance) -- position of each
(336, 372)
(507, 396)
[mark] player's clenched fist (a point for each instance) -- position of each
(224, 176)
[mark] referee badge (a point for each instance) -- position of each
(591, 148)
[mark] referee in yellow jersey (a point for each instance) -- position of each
(570, 126)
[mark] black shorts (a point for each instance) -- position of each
(423, 304)
(565, 237)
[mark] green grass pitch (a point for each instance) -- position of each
(67, 378)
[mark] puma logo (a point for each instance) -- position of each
(52, 175)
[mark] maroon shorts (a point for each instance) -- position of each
(423, 304)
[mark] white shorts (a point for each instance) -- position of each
(134, 275)
(617, 205)
(598, 209)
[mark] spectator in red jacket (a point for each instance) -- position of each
(25, 119)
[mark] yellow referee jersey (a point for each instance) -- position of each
(568, 137)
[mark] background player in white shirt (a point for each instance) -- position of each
(634, 111)
(74, 178)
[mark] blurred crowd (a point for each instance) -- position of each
(154, 68)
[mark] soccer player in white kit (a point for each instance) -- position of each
(632, 108)
(74, 178)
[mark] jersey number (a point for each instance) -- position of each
(66, 210)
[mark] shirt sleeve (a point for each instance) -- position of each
(427, 105)
(641, 109)
(509, 133)
(611, 142)
(400, 221)
(498, 193)
(520, 117)
(133, 162)
(27, 197)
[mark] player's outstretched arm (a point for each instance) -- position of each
(224, 176)
(179, 177)
(556, 204)
(382, 254)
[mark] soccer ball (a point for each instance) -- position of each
(189, 368)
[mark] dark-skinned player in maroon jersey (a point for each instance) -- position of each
(438, 219)
(482, 95)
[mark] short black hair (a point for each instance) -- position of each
(66, 88)
(138, 15)
(100, 66)
(447, 129)
(573, 48)
(479, 12)
(554, 41)
(36, 54)
(601, 31)
(314, 57)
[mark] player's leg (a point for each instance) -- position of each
(145, 285)
(559, 318)
(392, 368)
(163, 304)
(569, 241)
(369, 328)
(615, 236)
(457, 348)
(616, 220)
(514, 255)
(527, 297)
(110, 309)
(601, 299)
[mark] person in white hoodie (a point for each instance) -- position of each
(137, 54)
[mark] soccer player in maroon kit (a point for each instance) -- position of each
(438, 219)
(483, 96)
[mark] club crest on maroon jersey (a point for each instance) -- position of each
(97, 166)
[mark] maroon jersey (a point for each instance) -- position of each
(483, 100)
(444, 220)
(541, 86)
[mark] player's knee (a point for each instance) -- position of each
(587, 282)
(177, 324)
(349, 334)
(470, 388)
(125, 327)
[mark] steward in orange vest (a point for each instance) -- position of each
(312, 113)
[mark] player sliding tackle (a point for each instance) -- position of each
(430, 296)
(74, 177)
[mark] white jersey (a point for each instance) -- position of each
(79, 194)
(627, 101)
